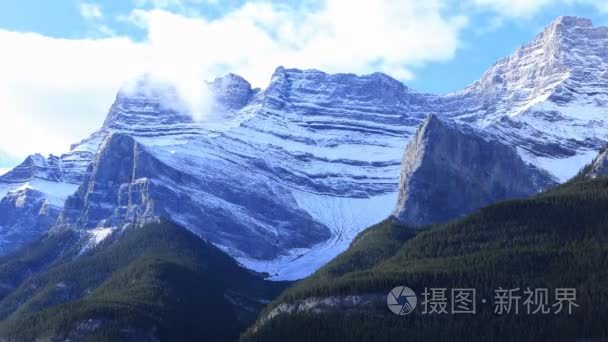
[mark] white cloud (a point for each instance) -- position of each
(54, 92)
(90, 11)
(343, 36)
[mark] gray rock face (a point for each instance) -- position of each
(231, 92)
(449, 171)
(35, 166)
(129, 183)
(599, 166)
(32, 195)
(24, 216)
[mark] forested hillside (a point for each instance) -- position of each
(558, 239)
(156, 282)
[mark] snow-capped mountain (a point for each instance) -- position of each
(33, 194)
(548, 98)
(283, 178)
(302, 164)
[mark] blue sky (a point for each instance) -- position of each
(64, 60)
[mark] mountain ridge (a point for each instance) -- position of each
(326, 145)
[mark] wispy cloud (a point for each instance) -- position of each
(53, 91)
(93, 14)
(254, 39)
(90, 10)
(56, 91)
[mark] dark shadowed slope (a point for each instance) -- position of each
(157, 282)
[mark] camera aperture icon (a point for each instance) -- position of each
(401, 300)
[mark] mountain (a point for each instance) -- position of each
(29, 212)
(286, 173)
(285, 177)
(557, 239)
(33, 194)
(449, 170)
(548, 98)
(157, 282)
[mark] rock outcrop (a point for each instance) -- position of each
(599, 166)
(450, 170)
(25, 215)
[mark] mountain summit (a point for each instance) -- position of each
(449, 170)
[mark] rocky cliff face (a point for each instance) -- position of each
(25, 215)
(33, 193)
(450, 170)
(599, 166)
(232, 92)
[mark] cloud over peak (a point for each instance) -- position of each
(55, 91)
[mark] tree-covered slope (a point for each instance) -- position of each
(558, 239)
(156, 282)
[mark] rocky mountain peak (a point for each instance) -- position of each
(345, 88)
(571, 38)
(450, 170)
(568, 22)
(231, 91)
(25, 214)
(145, 105)
(35, 166)
(556, 36)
